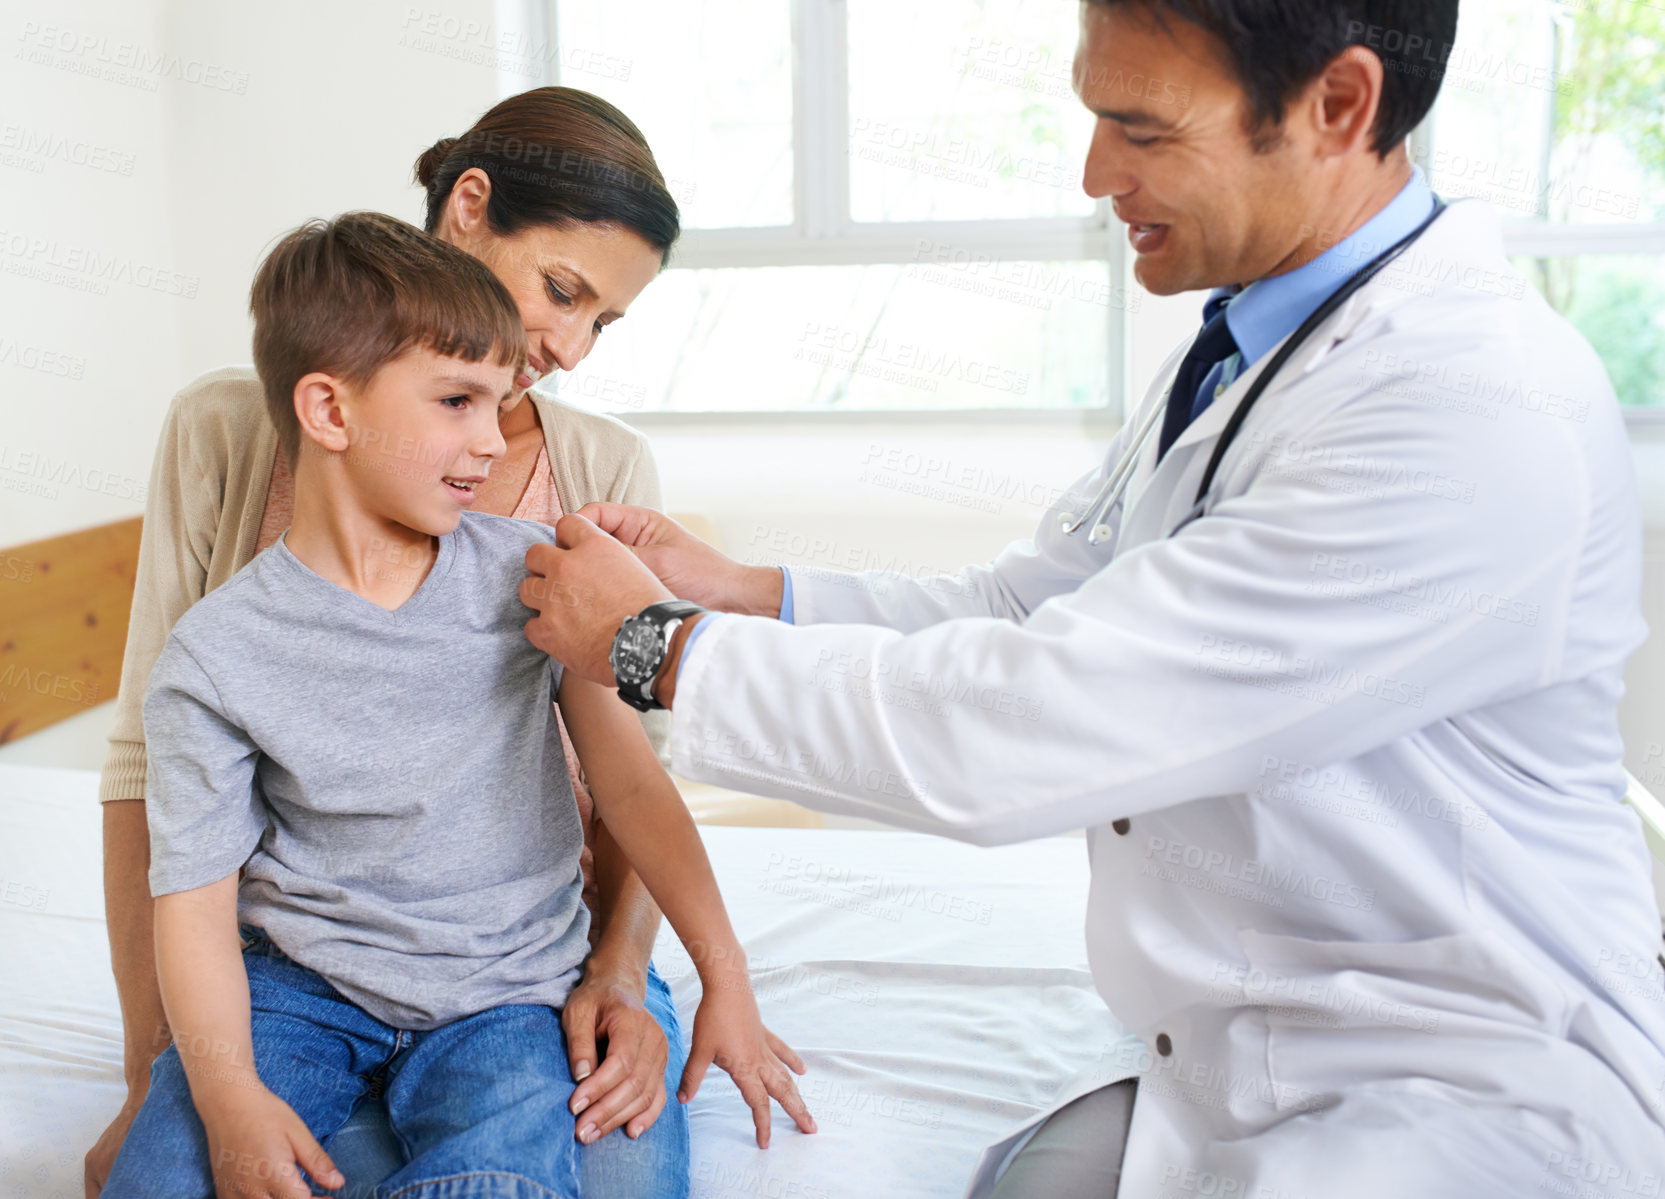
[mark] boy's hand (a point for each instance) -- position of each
(729, 1031)
(255, 1140)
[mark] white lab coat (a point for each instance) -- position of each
(1345, 748)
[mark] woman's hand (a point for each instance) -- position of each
(688, 566)
(729, 1031)
(99, 1159)
(630, 1083)
(255, 1141)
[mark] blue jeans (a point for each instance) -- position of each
(476, 1108)
(653, 1166)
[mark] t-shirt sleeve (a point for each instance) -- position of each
(533, 532)
(205, 818)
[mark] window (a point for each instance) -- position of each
(1551, 111)
(884, 210)
(882, 205)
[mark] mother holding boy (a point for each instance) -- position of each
(558, 193)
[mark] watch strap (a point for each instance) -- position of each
(667, 615)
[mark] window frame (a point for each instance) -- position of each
(823, 233)
(1565, 239)
(1543, 238)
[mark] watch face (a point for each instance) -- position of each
(636, 652)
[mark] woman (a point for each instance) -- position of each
(557, 191)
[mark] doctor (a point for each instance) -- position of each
(1343, 738)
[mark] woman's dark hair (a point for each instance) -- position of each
(1277, 47)
(556, 156)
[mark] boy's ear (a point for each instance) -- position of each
(318, 408)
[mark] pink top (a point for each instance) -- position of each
(539, 502)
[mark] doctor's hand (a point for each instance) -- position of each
(583, 587)
(692, 569)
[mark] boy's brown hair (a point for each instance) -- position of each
(349, 295)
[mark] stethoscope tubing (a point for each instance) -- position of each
(1116, 484)
(1119, 478)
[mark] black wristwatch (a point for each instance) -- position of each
(639, 649)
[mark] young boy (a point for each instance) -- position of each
(360, 710)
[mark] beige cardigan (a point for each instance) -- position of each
(207, 493)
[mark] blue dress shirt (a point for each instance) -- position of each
(1269, 310)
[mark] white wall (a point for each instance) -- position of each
(207, 130)
(338, 109)
(268, 116)
(92, 298)
(90, 295)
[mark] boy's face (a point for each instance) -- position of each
(422, 433)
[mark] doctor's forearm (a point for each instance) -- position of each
(757, 592)
(664, 684)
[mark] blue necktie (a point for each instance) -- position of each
(1213, 346)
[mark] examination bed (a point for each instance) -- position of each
(938, 992)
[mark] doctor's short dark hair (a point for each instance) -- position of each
(347, 296)
(1277, 47)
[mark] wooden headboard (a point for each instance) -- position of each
(64, 604)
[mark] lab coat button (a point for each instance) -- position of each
(1163, 1045)
(1121, 826)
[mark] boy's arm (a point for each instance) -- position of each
(254, 1138)
(646, 816)
(205, 990)
(205, 818)
(642, 810)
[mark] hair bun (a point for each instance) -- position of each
(427, 166)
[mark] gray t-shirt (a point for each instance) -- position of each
(397, 775)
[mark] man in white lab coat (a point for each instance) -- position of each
(1344, 743)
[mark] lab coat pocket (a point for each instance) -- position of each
(1440, 1010)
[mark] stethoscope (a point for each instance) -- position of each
(1115, 484)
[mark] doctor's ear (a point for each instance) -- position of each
(1340, 105)
(318, 409)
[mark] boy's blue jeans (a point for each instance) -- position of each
(477, 1108)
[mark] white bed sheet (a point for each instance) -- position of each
(938, 993)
